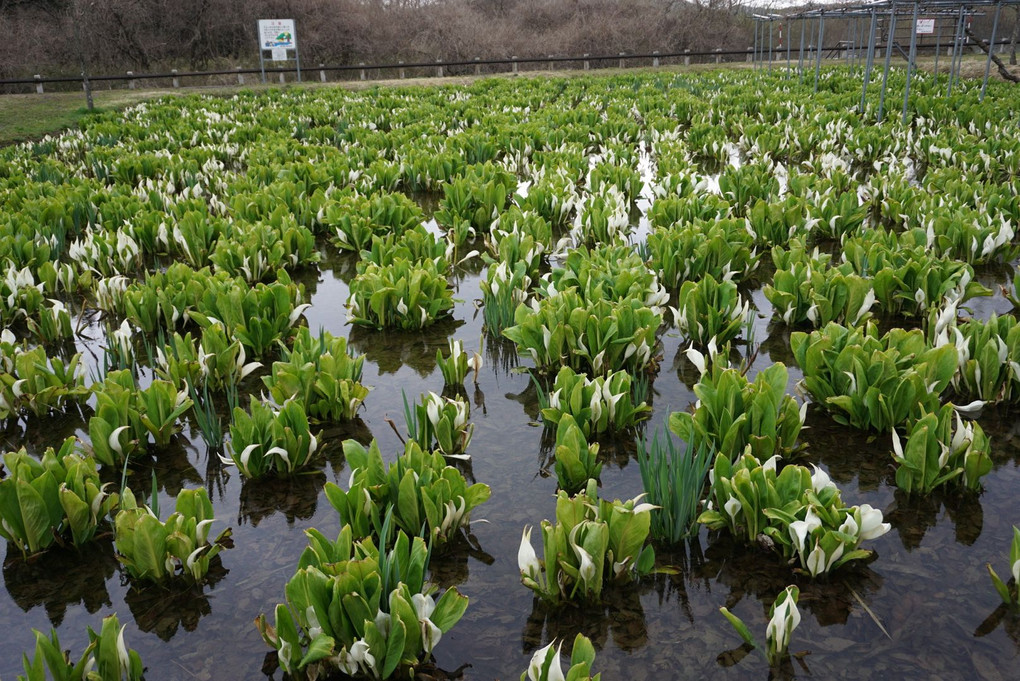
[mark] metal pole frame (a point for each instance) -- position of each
(771, 48)
(957, 47)
(991, 47)
(297, 53)
(888, 59)
(800, 63)
(821, 37)
(870, 59)
(789, 40)
(262, 57)
(938, 47)
(851, 29)
(754, 53)
(910, 62)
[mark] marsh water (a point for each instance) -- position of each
(924, 608)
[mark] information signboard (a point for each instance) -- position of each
(277, 38)
(925, 26)
(277, 34)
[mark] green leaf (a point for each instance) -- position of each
(394, 647)
(739, 625)
(449, 609)
(320, 647)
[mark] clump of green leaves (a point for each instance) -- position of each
(593, 542)
(596, 336)
(689, 251)
(51, 324)
(733, 413)
(259, 316)
(30, 381)
(870, 381)
(56, 497)
(545, 663)
(355, 220)
(455, 367)
(421, 489)
(126, 416)
(503, 290)
(256, 251)
(269, 440)
(216, 361)
(440, 423)
(106, 658)
(941, 449)
(401, 295)
(178, 548)
(598, 405)
(710, 310)
(805, 289)
(321, 374)
(358, 609)
(801, 513)
(576, 460)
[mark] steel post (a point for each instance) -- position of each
(888, 59)
(991, 46)
(938, 48)
(770, 46)
(870, 59)
(957, 46)
(800, 62)
(789, 36)
(821, 38)
(910, 62)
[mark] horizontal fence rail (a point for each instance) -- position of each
(778, 55)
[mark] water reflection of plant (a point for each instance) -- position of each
(743, 572)
(295, 497)
(452, 568)
(390, 350)
(61, 577)
(162, 610)
(913, 517)
(620, 615)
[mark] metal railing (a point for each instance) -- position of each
(513, 63)
(440, 66)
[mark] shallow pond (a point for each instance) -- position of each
(924, 608)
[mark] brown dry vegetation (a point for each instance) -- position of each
(152, 35)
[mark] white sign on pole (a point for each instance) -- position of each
(277, 35)
(925, 26)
